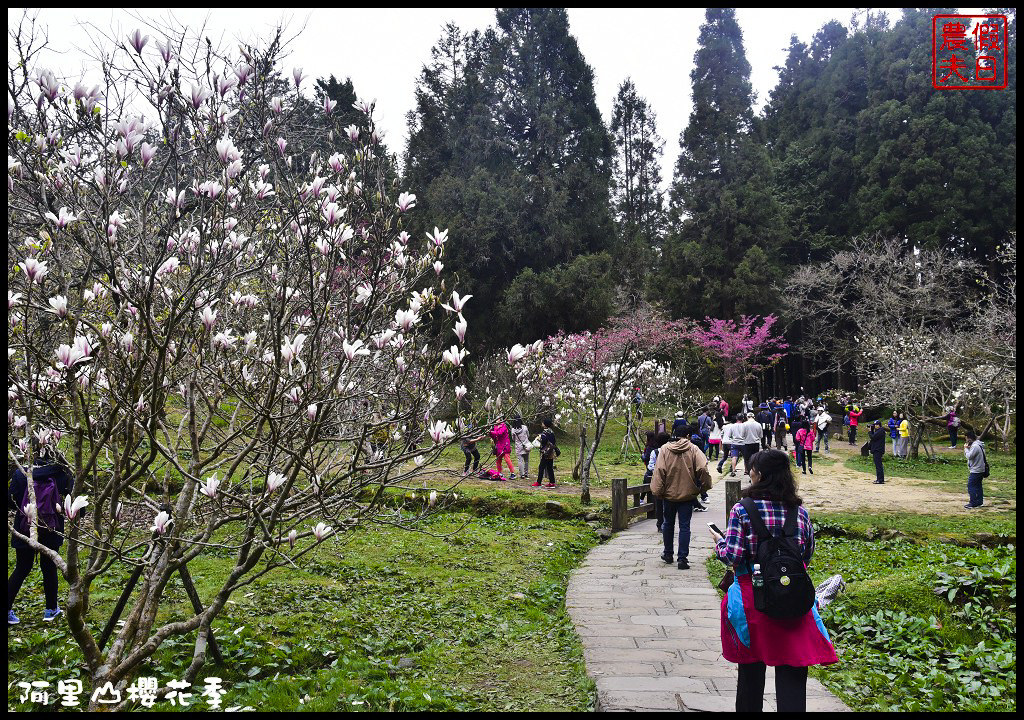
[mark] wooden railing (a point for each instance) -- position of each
(621, 511)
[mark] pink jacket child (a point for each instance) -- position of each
(805, 436)
(503, 446)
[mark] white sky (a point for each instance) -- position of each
(383, 50)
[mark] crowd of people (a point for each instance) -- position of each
(517, 438)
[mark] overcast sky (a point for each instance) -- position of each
(383, 50)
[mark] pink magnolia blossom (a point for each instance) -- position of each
(352, 350)
(274, 481)
(321, 531)
(146, 153)
(292, 536)
(406, 201)
(460, 329)
(161, 523)
(59, 306)
(72, 507)
(454, 355)
(209, 488)
(460, 391)
(516, 353)
(208, 317)
(62, 219)
(281, 144)
(329, 105)
(457, 302)
(311, 412)
(35, 270)
(138, 41)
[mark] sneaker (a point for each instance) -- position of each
(810, 471)
(49, 615)
(879, 482)
(658, 527)
(536, 484)
(550, 486)
(12, 619)
(732, 474)
(683, 565)
(699, 508)
(973, 507)
(667, 559)
(512, 476)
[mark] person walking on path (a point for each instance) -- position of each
(805, 447)
(904, 450)
(781, 423)
(876, 434)
(715, 438)
(523, 446)
(679, 422)
(977, 469)
(894, 433)
(680, 475)
(659, 506)
(704, 423)
(52, 483)
(732, 439)
(854, 418)
(751, 440)
(952, 424)
(548, 452)
(764, 416)
(753, 639)
(823, 422)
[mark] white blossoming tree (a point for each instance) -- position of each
(215, 312)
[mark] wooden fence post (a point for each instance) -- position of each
(732, 494)
(619, 516)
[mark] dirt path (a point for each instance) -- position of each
(837, 488)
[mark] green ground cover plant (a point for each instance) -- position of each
(922, 625)
(468, 615)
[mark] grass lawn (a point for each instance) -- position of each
(469, 615)
(948, 472)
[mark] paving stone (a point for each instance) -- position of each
(673, 684)
(650, 632)
(633, 701)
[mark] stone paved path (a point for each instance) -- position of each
(651, 631)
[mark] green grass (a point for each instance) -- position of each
(445, 601)
(949, 473)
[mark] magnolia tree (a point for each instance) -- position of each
(744, 349)
(215, 312)
(592, 374)
(925, 330)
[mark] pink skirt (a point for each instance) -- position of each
(750, 636)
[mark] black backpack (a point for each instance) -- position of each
(787, 590)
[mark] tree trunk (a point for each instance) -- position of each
(577, 470)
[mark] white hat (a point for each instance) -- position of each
(680, 413)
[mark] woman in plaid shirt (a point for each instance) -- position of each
(749, 637)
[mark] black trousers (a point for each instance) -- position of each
(549, 466)
(790, 688)
(23, 567)
(879, 472)
(749, 450)
(473, 454)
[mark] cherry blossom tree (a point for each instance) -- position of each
(743, 349)
(215, 311)
(591, 374)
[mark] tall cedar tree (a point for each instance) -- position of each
(508, 149)
(723, 255)
(637, 198)
(864, 143)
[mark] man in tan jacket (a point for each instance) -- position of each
(680, 475)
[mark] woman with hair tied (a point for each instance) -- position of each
(750, 637)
